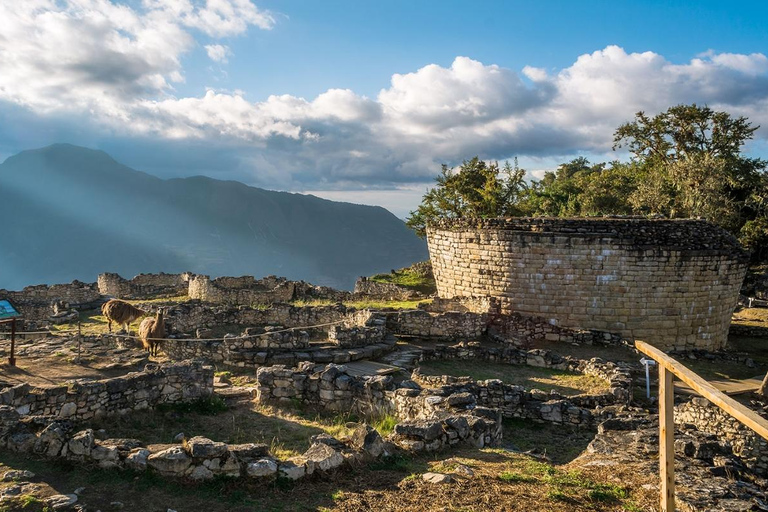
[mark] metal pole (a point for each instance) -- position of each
(12, 359)
(647, 363)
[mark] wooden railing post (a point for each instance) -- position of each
(667, 439)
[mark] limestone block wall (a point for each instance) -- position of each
(672, 283)
(167, 383)
(144, 286)
(36, 302)
(446, 325)
(189, 317)
(247, 290)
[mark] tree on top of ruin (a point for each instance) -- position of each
(476, 189)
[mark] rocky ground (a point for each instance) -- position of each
(52, 360)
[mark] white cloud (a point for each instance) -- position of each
(117, 66)
(218, 52)
(98, 56)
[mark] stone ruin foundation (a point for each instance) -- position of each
(672, 283)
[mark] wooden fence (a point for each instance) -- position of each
(668, 370)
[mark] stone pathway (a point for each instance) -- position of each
(405, 356)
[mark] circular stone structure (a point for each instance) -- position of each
(671, 283)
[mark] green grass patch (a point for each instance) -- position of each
(385, 424)
(416, 279)
(515, 477)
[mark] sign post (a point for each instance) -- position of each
(8, 313)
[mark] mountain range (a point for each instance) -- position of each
(68, 212)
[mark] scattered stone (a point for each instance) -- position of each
(367, 439)
(79, 491)
(464, 470)
(179, 438)
(323, 457)
(437, 478)
(172, 461)
(261, 468)
(203, 448)
(201, 473)
(62, 501)
(17, 474)
(291, 470)
(137, 460)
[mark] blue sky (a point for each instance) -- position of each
(362, 101)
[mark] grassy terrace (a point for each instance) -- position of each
(501, 481)
(286, 431)
(566, 383)
(410, 278)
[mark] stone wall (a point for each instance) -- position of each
(332, 388)
(243, 352)
(144, 286)
(248, 291)
(744, 442)
(157, 384)
(449, 325)
(191, 316)
(358, 336)
(521, 330)
(673, 283)
(36, 303)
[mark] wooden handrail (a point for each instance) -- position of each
(668, 369)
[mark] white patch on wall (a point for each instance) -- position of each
(606, 278)
(554, 262)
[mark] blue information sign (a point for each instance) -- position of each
(7, 310)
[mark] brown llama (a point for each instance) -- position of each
(151, 330)
(121, 312)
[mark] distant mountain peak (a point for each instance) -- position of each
(78, 212)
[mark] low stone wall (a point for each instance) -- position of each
(144, 286)
(618, 376)
(521, 329)
(157, 384)
(750, 331)
(332, 388)
(247, 290)
(449, 325)
(481, 428)
(744, 442)
(242, 351)
(36, 303)
(362, 336)
(191, 316)
(512, 401)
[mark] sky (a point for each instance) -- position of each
(362, 101)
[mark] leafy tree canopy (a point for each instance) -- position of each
(685, 162)
(475, 189)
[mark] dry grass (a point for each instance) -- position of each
(503, 481)
(287, 432)
(566, 383)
